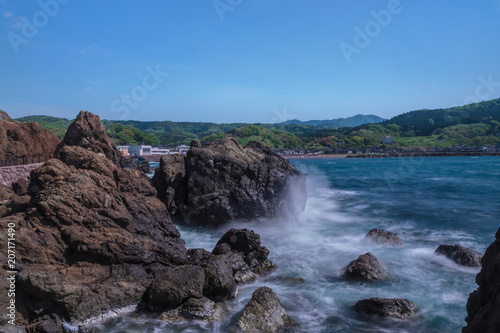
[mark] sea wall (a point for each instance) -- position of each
(12, 174)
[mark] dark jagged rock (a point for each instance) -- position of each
(169, 181)
(246, 242)
(87, 131)
(195, 308)
(382, 236)
(219, 282)
(264, 313)
(21, 140)
(460, 255)
(224, 181)
(483, 312)
(91, 238)
(365, 268)
(175, 287)
(386, 307)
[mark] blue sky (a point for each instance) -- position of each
(245, 60)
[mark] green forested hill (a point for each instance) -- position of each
(473, 125)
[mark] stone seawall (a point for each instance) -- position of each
(12, 174)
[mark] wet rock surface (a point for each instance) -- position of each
(382, 236)
(224, 181)
(460, 255)
(365, 268)
(483, 312)
(386, 307)
(264, 313)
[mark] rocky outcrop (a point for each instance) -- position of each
(382, 236)
(482, 307)
(224, 181)
(21, 140)
(460, 255)
(87, 131)
(386, 307)
(91, 237)
(264, 313)
(365, 268)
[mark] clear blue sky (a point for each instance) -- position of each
(245, 60)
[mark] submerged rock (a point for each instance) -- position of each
(224, 181)
(264, 313)
(386, 307)
(460, 255)
(196, 308)
(483, 312)
(382, 236)
(365, 268)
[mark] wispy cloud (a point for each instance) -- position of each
(7, 14)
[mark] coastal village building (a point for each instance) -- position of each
(140, 150)
(183, 149)
(123, 150)
(159, 151)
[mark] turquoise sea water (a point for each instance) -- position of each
(427, 201)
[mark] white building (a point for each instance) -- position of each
(183, 149)
(159, 151)
(140, 150)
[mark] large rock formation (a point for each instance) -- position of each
(224, 181)
(20, 140)
(365, 268)
(460, 255)
(264, 313)
(386, 307)
(482, 306)
(91, 238)
(87, 131)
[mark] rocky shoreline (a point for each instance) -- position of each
(95, 234)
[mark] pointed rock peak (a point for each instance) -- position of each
(5, 116)
(87, 131)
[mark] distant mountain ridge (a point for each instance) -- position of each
(353, 121)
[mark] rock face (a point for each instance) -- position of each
(19, 140)
(264, 313)
(482, 307)
(365, 268)
(382, 236)
(386, 307)
(460, 255)
(224, 181)
(91, 238)
(87, 131)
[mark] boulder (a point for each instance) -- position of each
(483, 312)
(87, 131)
(264, 313)
(175, 287)
(219, 281)
(224, 181)
(382, 236)
(28, 139)
(365, 268)
(195, 308)
(386, 307)
(460, 255)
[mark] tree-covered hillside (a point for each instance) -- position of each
(473, 125)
